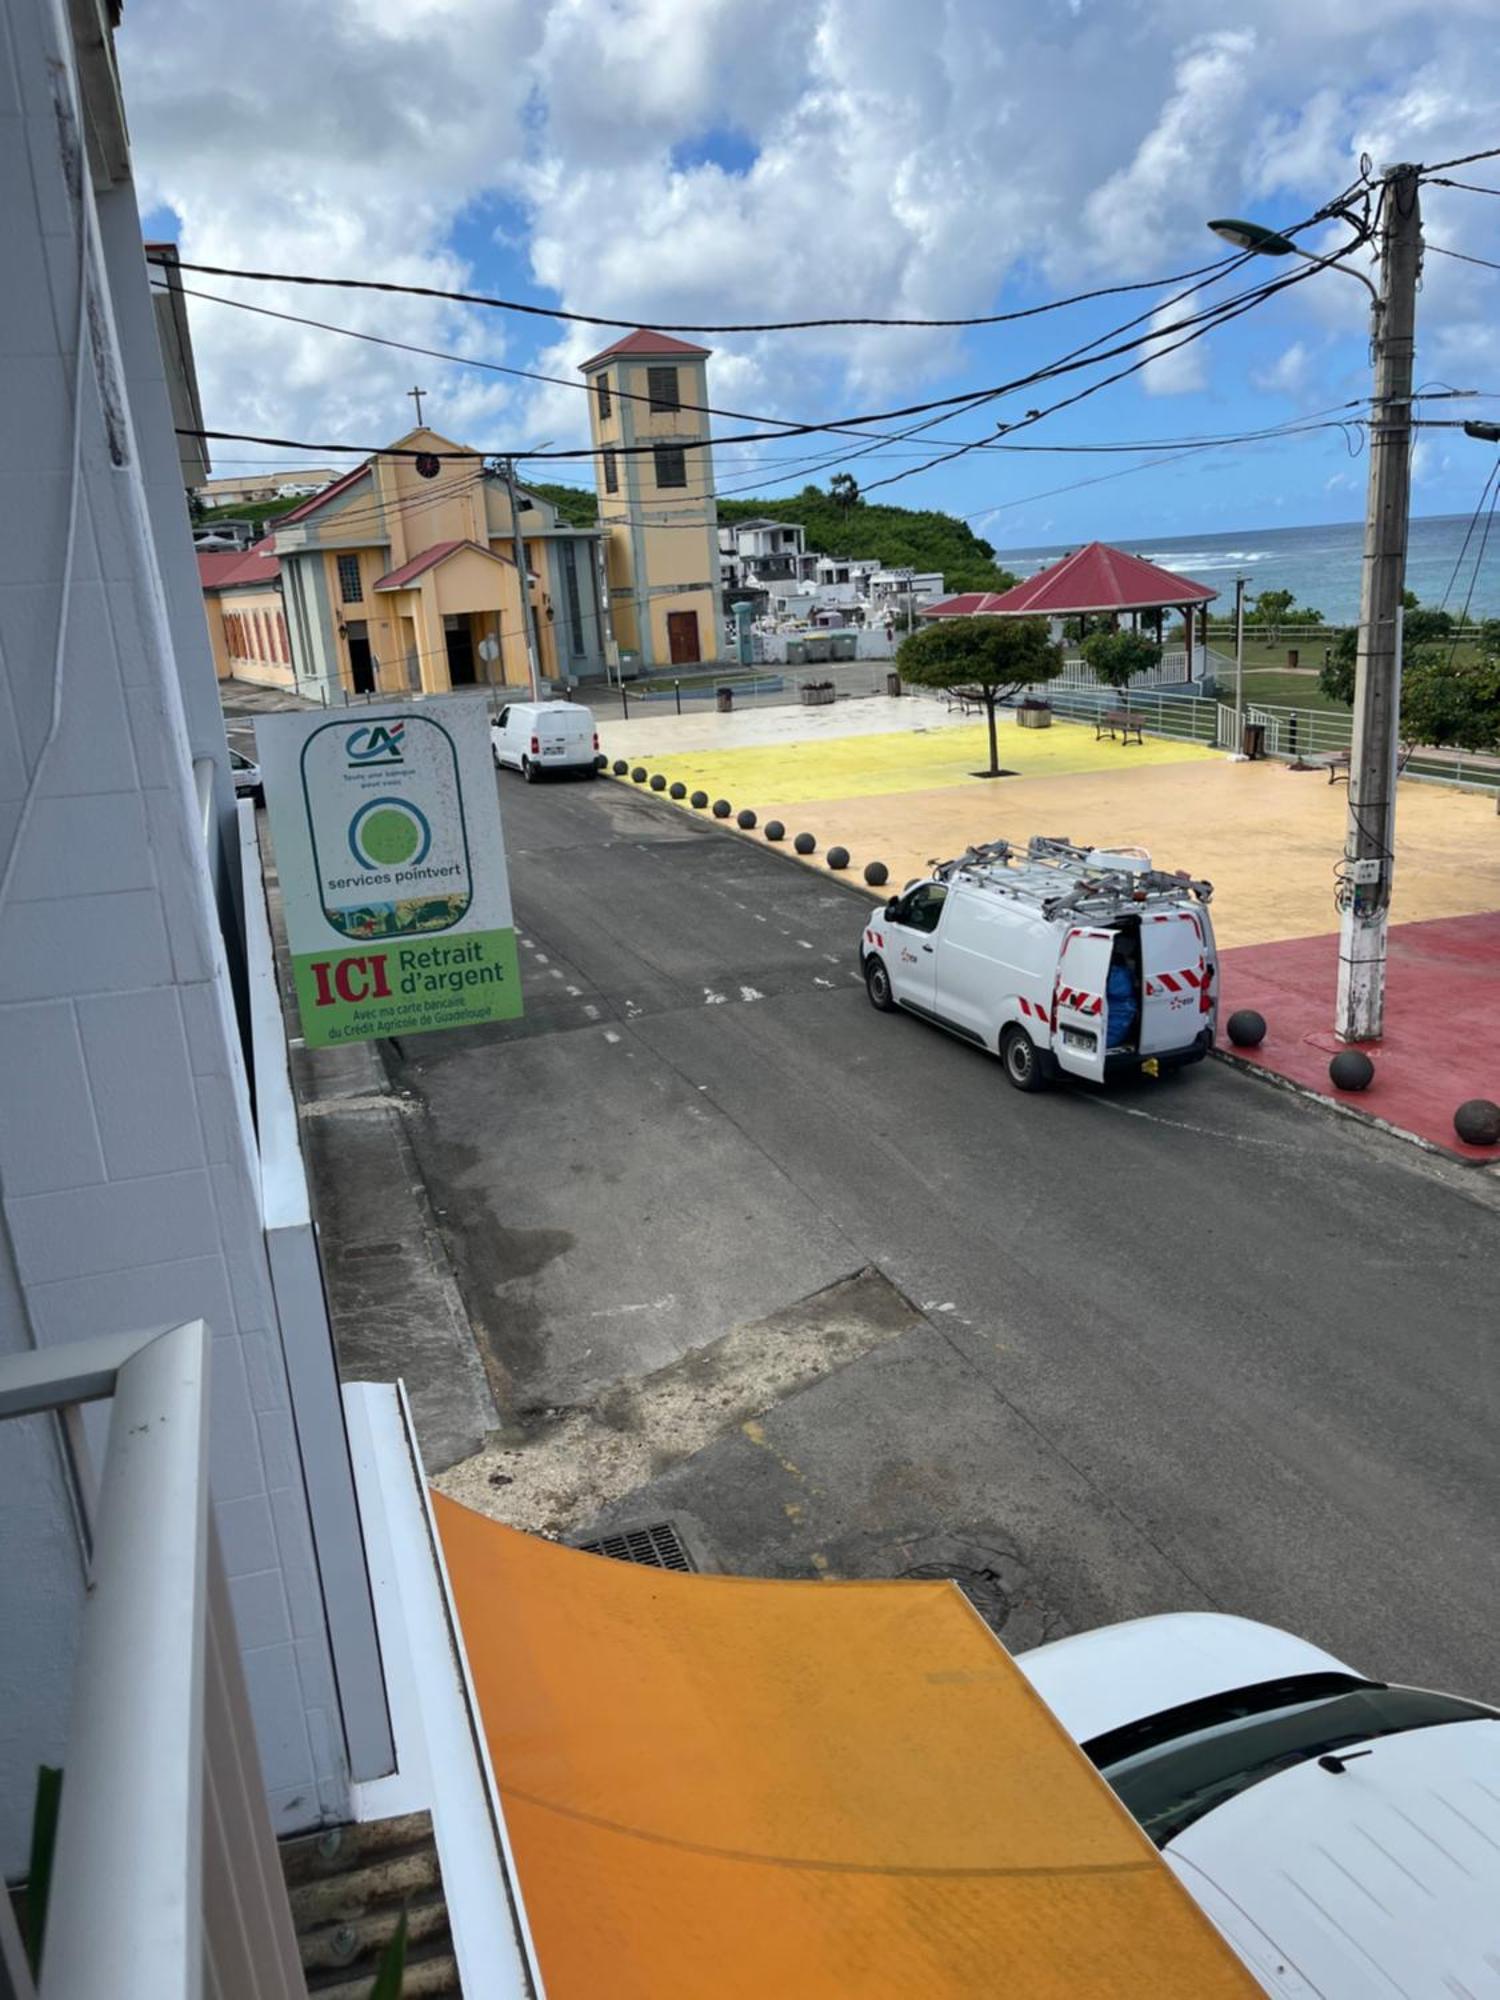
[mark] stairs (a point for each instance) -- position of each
(348, 1887)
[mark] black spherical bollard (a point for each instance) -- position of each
(658, 782)
(722, 808)
(775, 830)
(838, 857)
(1351, 1069)
(638, 775)
(805, 844)
(746, 819)
(619, 767)
(601, 763)
(677, 792)
(876, 873)
(699, 799)
(1246, 1029)
(1477, 1123)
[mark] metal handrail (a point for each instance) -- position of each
(127, 1889)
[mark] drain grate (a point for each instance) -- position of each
(658, 1545)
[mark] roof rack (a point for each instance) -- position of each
(1058, 875)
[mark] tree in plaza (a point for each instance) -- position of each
(1445, 704)
(1117, 657)
(996, 657)
(1420, 628)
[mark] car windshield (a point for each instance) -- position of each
(1169, 1785)
(237, 762)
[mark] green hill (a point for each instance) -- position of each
(896, 536)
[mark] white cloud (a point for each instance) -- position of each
(898, 162)
(1177, 366)
(1288, 374)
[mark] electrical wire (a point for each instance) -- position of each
(1464, 160)
(1462, 256)
(1494, 472)
(1468, 187)
(678, 326)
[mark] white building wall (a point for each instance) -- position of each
(127, 1183)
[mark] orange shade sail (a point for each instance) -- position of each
(719, 1786)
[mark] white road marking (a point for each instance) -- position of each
(712, 999)
(819, 980)
(575, 992)
(554, 973)
(751, 993)
(832, 957)
(759, 918)
(542, 959)
(646, 1306)
(804, 944)
(610, 1035)
(592, 1012)
(1202, 1131)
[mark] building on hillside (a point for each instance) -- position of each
(172, 330)
(255, 489)
(648, 415)
(759, 552)
(247, 627)
(400, 577)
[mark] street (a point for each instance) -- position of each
(1196, 1343)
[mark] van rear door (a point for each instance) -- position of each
(1078, 1003)
(1174, 982)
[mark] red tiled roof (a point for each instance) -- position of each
(968, 604)
(225, 569)
(643, 342)
(1097, 578)
(398, 579)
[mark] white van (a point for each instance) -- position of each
(535, 737)
(1063, 959)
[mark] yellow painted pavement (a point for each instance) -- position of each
(918, 760)
(1267, 837)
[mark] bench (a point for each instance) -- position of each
(968, 701)
(1119, 722)
(1337, 762)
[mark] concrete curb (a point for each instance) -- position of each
(1353, 1111)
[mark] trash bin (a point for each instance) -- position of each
(1253, 742)
(893, 685)
(1292, 656)
(724, 700)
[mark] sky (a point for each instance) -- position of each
(725, 161)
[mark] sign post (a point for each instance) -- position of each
(392, 869)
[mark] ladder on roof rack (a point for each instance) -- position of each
(1060, 875)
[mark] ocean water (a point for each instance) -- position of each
(1320, 566)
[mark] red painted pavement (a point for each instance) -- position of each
(1442, 1017)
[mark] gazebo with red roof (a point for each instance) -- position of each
(1093, 581)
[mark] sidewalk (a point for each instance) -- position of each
(1442, 1040)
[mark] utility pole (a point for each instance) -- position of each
(1369, 841)
(529, 624)
(1239, 666)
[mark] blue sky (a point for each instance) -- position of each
(675, 160)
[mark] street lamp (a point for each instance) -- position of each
(1263, 242)
(1364, 891)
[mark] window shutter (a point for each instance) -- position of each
(662, 385)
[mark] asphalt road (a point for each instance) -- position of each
(1196, 1343)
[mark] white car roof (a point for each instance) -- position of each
(1097, 1681)
(1381, 1880)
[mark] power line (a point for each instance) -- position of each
(1468, 187)
(1462, 256)
(1464, 160)
(678, 326)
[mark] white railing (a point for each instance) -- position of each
(1171, 671)
(165, 1881)
(1186, 717)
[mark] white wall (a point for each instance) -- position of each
(128, 1186)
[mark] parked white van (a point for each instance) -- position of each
(537, 737)
(1064, 959)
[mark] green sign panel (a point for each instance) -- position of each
(392, 866)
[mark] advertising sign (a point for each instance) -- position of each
(388, 846)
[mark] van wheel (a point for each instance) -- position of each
(878, 986)
(528, 770)
(1022, 1059)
